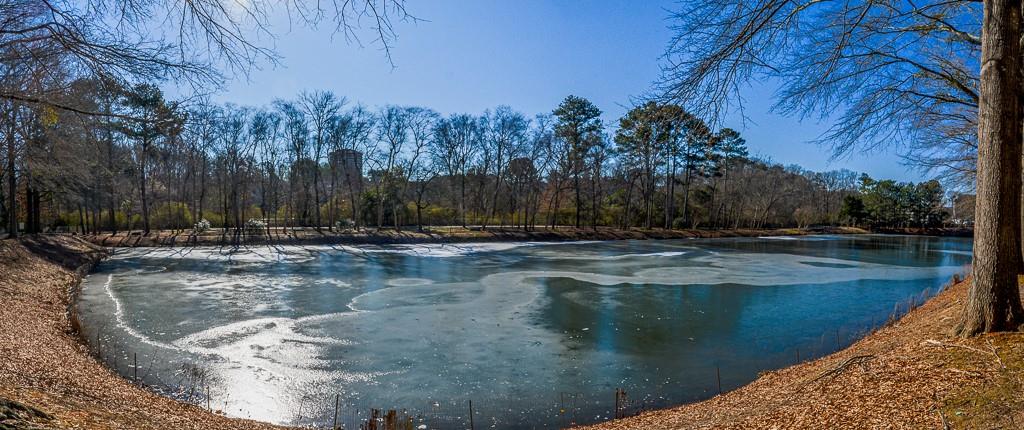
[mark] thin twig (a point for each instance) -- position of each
(996, 354)
(858, 359)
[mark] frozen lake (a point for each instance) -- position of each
(535, 334)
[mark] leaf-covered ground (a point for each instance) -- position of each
(47, 378)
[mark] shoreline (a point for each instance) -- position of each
(437, 235)
(911, 373)
(52, 381)
(48, 378)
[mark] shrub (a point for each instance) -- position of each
(255, 227)
(344, 224)
(201, 227)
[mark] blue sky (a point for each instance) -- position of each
(468, 56)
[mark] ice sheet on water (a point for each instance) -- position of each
(269, 363)
(446, 250)
(263, 254)
(813, 238)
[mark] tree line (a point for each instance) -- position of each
(319, 161)
(888, 203)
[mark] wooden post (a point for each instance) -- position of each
(616, 414)
(837, 337)
(798, 354)
(561, 409)
(471, 414)
(337, 398)
(718, 375)
(135, 367)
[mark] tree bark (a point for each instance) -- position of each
(576, 186)
(142, 188)
(316, 193)
(993, 301)
(12, 182)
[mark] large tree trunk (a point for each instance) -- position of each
(993, 302)
(316, 194)
(12, 183)
(494, 197)
(331, 199)
(352, 195)
(576, 186)
(111, 188)
(670, 194)
(686, 194)
(142, 190)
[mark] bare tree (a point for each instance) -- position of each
(891, 72)
(456, 140)
(994, 301)
(420, 170)
(393, 134)
(506, 136)
(351, 133)
(201, 41)
(321, 109)
(296, 130)
(265, 129)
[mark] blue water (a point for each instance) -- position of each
(537, 335)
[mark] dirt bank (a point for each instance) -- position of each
(309, 236)
(47, 378)
(912, 374)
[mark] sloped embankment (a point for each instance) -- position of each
(912, 374)
(47, 377)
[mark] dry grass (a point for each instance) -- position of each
(913, 374)
(44, 367)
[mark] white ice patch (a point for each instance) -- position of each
(264, 362)
(297, 254)
(809, 237)
(251, 254)
(333, 281)
(952, 251)
(446, 250)
(602, 257)
(408, 282)
(123, 323)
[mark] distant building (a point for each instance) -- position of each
(349, 163)
(961, 209)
